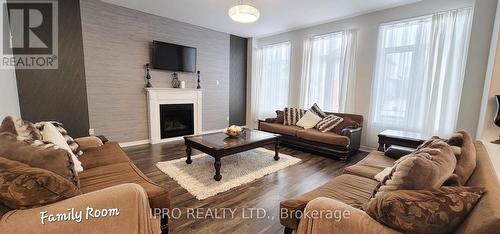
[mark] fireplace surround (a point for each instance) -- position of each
(182, 113)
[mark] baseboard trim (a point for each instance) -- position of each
(367, 148)
(134, 143)
(147, 141)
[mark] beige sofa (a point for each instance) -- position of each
(354, 188)
(110, 180)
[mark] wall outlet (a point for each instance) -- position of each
(91, 131)
(217, 82)
(227, 118)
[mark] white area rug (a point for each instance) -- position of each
(236, 170)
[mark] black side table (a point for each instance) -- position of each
(400, 138)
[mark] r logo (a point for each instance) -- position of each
(30, 29)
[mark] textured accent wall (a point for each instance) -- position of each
(59, 94)
(238, 80)
(117, 44)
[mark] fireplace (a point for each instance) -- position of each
(173, 113)
(176, 120)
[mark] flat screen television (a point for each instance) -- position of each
(172, 57)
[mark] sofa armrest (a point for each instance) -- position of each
(354, 135)
(325, 215)
(127, 207)
(89, 142)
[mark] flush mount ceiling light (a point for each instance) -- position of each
(244, 13)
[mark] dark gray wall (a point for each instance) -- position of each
(59, 94)
(116, 44)
(237, 80)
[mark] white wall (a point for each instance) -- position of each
(367, 26)
(9, 100)
(487, 130)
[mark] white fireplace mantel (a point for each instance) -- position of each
(159, 96)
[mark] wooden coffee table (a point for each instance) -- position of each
(219, 145)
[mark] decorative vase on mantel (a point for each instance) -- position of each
(176, 83)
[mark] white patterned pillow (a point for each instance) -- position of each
(329, 123)
(292, 115)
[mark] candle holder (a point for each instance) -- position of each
(199, 86)
(148, 77)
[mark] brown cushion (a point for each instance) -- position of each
(120, 173)
(426, 168)
(23, 186)
(346, 123)
(292, 115)
(38, 154)
(372, 164)
(110, 153)
(466, 160)
(424, 211)
(89, 142)
(280, 128)
(349, 189)
(280, 116)
(323, 137)
(21, 128)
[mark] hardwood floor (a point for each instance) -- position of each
(264, 194)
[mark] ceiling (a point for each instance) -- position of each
(276, 15)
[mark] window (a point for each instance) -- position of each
(326, 70)
(419, 73)
(273, 75)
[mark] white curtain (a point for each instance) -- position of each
(328, 71)
(419, 74)
(270, 88)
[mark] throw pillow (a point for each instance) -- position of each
(466, 156)
(280, 116)
(21, 128)
(24, 187)
(381, 175)
(329, 123)
(346, 123)
(51, 134)
(292, 115)
(424, 211)
(38, 154)
(425, 168)
(73, 145)
(309, 120)
(316, 110)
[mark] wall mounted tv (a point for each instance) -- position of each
(173, 57)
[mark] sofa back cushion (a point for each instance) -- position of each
(38, 154)
(426, 168)
(466, 156)
(485, 217)
(24, 187)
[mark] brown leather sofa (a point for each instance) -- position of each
(340, 146)
(354, 188)
(109, 180)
